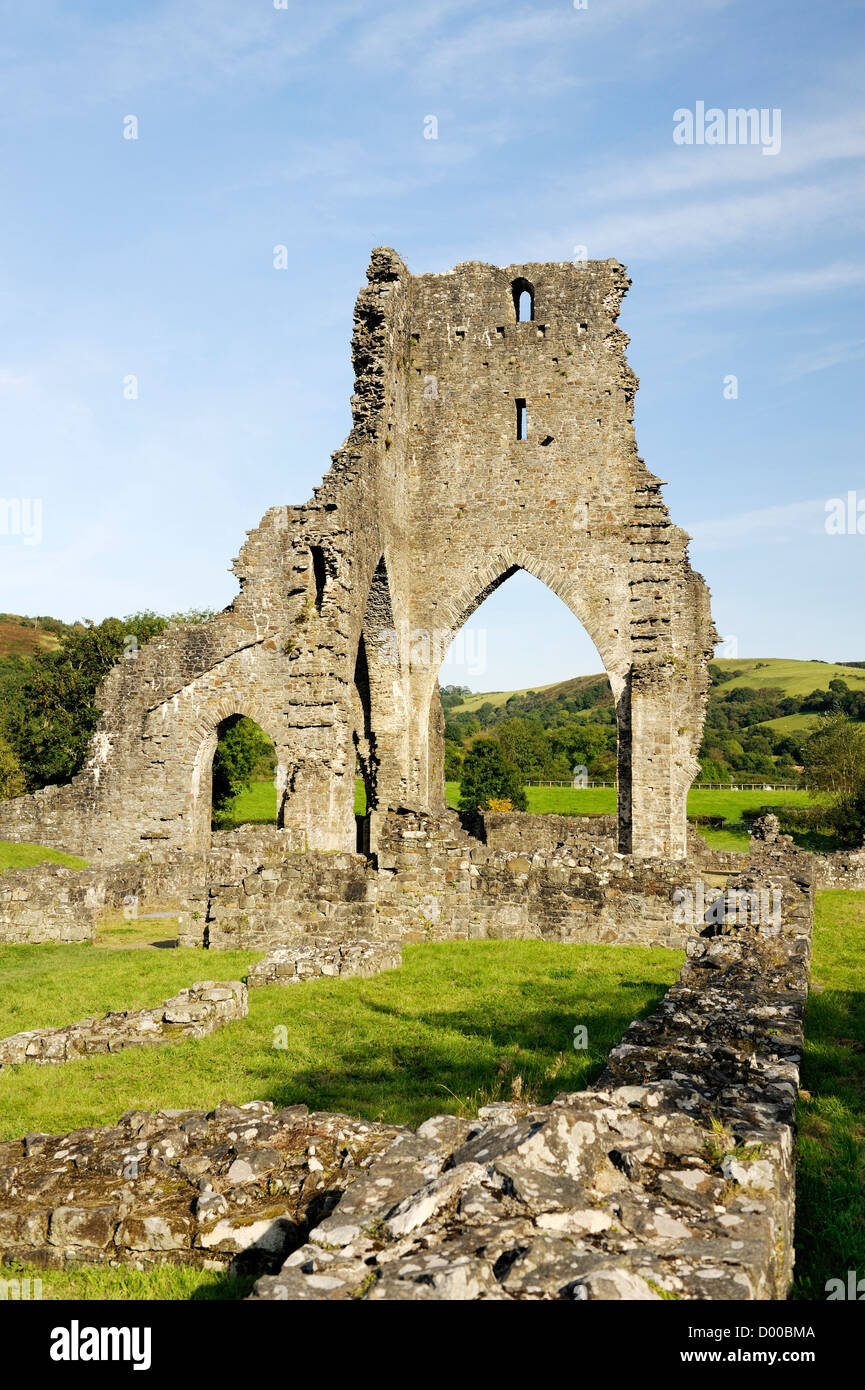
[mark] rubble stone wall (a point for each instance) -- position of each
(192, 1013)
(672, 1177)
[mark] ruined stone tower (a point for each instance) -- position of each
(493, 431)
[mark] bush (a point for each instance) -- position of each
(488, 776)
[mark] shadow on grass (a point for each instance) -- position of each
(224, 1287)
(482, 1059)
(830, 1178)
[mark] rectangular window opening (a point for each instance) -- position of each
(319, 573)
(522, 421)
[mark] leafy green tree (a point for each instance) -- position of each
(453, 762)
(834, 761)
(712, 771)
(834, 757)
(11, 775)
(488, 776)
(525, 743)
(48, 709)
(244, 754)
(47, 701)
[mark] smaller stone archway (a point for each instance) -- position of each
(206, 738)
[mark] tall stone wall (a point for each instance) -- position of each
(347, 604)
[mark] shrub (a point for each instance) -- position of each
(488, 776)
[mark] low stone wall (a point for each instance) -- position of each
(48, 902)
(769, 849)
(434, 883)
(279, 901)
(431, 881)
(523, 832)
(192, 1013)
(671, 1178)
(291, 965)
(240, 1183)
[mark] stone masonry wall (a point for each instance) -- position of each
(347, 603)
(670, 1178)
(192, 1013)
(435, 882)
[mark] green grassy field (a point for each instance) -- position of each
(49, 985)
(447, 1032)
(256, 805)
(451, 1030)
(14, 856)
(793, 677)
(259, 805)
(791, 723)
(830, 1182)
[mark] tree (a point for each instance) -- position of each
(712, 771)
(453, 762)
(244, 754)
(48, 712)
(834, 756)
(48, 708)
(834, 760)
(488, 776)
(11, 776)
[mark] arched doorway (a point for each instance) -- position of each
(237, 778)
(243, 775)
(540, 700)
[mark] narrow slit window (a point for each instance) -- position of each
(522, 420)
(524, 300)
(319, 574)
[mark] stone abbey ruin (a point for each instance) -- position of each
(492, 432)
(481, 445)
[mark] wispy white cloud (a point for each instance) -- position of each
(686, 168)
(760, 286)
(764, 526)
(823, 357)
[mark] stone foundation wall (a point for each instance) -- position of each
(524, 832)
(843, 869)
(292, 965)
(192, 1013)
(48, 902)
(672, 1177)
(239, 1183)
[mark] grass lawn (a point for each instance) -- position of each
(46, 986)
(451, 1029)
(258, 804)
(830, 1185)
(130, 1285)
(14, 856)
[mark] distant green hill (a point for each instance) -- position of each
(24, 636)
(795, 678)
(760, 713)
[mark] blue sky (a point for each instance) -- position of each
(304, 126)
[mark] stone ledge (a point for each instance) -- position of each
(290, 965)
(192, 1013)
